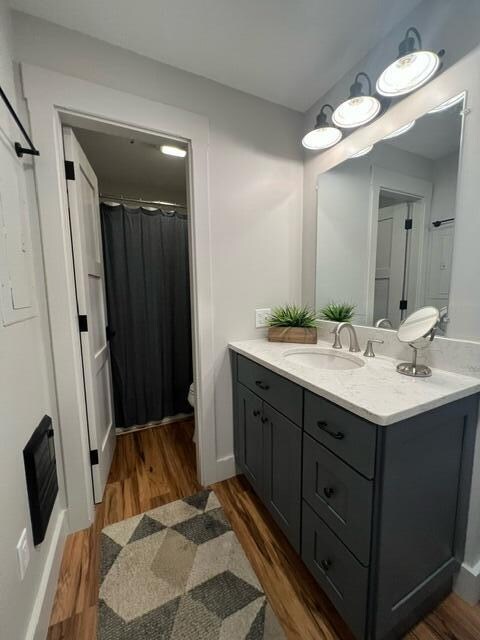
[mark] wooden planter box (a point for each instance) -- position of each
(293, 334)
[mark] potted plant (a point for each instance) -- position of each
(338, 312)
(292, 323)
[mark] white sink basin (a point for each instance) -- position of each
(324, 359)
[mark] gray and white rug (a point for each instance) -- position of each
(178, 572)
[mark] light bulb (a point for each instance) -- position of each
(447, 104)
(408, 73)
(173, 151)
(400, 131)
(356, 111)
(362, 152)
(322, 138)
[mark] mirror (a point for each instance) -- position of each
(418, 327)
(418, 330)
(386, 222)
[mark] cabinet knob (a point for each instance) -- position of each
(326, 564)
(328, 491)
(262, 385)
(256, 413)
(264, 420)
(338, 435)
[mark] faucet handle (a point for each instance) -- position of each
(337, 344)
(369, 352)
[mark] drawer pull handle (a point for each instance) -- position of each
(326, 564)
(262, 385)
(328, 491)
(338, 435)
(256, 413)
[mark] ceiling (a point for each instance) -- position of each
(434, 136)
(134, 167)
(287, 51)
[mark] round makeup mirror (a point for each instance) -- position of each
(418, 330)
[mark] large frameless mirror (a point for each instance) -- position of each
(386, 222)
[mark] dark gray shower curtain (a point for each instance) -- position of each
(148, 296)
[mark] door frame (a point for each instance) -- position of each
(53, 100)
(408, 185)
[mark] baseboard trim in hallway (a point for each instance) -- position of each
(39, 620)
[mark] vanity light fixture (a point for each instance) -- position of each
(412, 69)
(323, 135)
(360, 108)
(448, 104)
(400, 131)
(173, 151)
(362, 152)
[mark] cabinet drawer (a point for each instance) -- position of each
(340, 495)
(336, 570)
(344, 433)
(282, 394)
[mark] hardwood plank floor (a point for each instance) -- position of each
(156, 466)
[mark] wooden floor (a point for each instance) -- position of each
(156, 466)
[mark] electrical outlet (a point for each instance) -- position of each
(23, 554)
(261, 316)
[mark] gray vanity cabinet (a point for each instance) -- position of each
(377, 513)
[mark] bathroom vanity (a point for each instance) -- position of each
(366, 472)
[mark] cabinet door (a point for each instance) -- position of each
(250, 437)
(283, 457)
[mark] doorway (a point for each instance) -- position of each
(397, 260)
(56, 100)
(129, 220)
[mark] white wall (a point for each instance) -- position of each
(26, 394)
(453, 25)
(255, 180)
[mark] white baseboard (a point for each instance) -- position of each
(38, 625)
(467, 584)
(226, 468)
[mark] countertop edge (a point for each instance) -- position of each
(378, 419)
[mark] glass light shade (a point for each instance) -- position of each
(362, 152)
(398, 132)
(322, 138)
(173, 151)
(408, 73)
(447, 104)
(356, 111)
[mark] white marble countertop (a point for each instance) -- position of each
(376, 391)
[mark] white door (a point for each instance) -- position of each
(90, 284)
(390, 263)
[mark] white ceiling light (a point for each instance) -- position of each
(363, 152)
(173, 151)
(359, 108)
(413, 68)
(447, 104)
(323, 135)
(399, 132)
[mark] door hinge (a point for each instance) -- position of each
(94, 456)
(403, 305)
(82, 324)
(408, 223)
(69, 170)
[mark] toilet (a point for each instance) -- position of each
(191, 402)
(191, 395)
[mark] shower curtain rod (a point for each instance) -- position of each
(142, 201)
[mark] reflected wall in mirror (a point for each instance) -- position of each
(386, 222)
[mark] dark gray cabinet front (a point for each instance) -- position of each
(250, 434)
(378, 513)
(283, 457)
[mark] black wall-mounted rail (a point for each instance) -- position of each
(19, 150)
(438, 223)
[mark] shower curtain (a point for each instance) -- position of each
(148, 298)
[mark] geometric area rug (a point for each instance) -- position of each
(178, 572)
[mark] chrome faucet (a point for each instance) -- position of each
(352, 333)
(384, 323)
